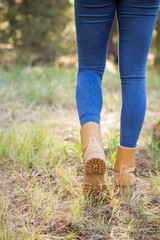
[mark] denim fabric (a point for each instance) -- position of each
(93, 22)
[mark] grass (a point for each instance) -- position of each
(154, 153)
(32, 146)
(37, 85)
(41, 168)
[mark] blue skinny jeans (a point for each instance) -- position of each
(93, 22)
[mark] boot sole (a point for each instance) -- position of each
(95, 168)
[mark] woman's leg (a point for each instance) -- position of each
(136, 20)
(93, 20)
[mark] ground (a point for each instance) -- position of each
(41, 167)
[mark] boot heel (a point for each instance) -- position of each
(95, 165)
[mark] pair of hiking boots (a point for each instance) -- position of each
(94, 162)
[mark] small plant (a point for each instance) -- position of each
(155, 183)
(112, 146)
(153, 152)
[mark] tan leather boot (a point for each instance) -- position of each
(94, 160)
(124, 168)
